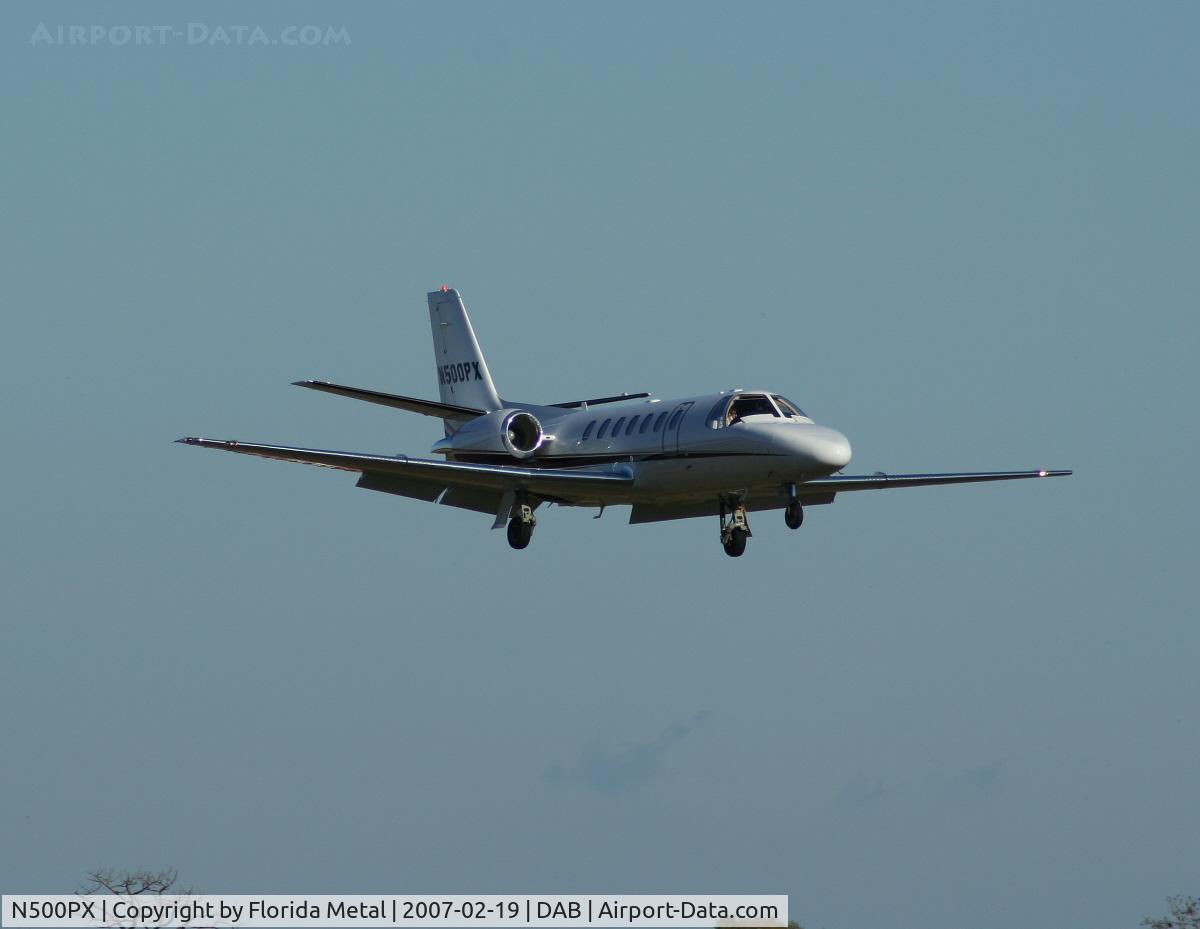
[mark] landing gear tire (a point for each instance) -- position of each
(793, 514)
(735, 528)
(519, 532)
(735, 543)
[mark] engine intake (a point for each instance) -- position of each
(522, 434)
(513, 432)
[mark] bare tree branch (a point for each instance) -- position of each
(131, 883)
(1185, 914)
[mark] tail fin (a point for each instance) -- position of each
(462, 373)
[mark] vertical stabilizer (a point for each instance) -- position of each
(463, 375)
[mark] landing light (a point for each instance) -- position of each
(1043, 473)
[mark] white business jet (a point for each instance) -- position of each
(722, 454)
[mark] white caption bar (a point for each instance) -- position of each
(482, 910)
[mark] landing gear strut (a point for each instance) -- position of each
(735, 530)
(520, 525)
(793, 513)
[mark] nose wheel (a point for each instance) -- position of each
(735, 530)
(793, 513)
(520, 526)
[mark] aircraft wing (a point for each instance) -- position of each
(427, 479)
(597, 401)
(412, 404)
(838, 483)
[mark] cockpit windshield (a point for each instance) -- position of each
(788, 408)
(752, 405)
(733, 409)
(736, 408)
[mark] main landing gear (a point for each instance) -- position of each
(735, 530)
(520, 525)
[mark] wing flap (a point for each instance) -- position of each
(468, 498)
(417, 489)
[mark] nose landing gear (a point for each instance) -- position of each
(793, 513)
(520, 525)
(735, 530)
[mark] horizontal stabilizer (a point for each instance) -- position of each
(575, 404)
(412, 404)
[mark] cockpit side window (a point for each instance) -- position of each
(716, 416)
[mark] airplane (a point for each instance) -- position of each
(721, 454)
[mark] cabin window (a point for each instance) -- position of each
(587, 433)
(603, 429)
(646, 422)
(632, 424)
(659, 422)
(675, 418)
(617, 428)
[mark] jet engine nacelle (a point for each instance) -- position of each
(522, 434)
(512, 432)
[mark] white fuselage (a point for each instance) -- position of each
(678, 449)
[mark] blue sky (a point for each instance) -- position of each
(963, 234)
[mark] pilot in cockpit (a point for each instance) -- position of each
(745, 405)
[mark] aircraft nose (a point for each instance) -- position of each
(820, 447)
(834, 449)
